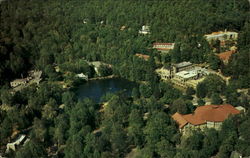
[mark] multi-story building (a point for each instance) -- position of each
(183, 74)
(222, 36)
(182, 66)
(190, 77)
(208, 116)
(164, 73)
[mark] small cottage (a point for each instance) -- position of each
(145, 30)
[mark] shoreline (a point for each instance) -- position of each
(101, 78)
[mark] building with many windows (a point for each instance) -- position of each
(186, 65)
(221, 36)
(208, 116)
(164, 73)
(189, 77)
(183, 75)
(163, 47)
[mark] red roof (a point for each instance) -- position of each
(225, 56)
(164, 44)
(207, 113)
(216, 33)
(145, 57)
(179, 119)
(163, 48)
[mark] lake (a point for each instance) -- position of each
(95, 89)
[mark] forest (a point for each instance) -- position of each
(40, 35)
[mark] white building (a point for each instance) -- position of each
(194, 73)
(18, 82)
(190, 77)
(145, 30)
(13, 145)
(82, 76)
(241, 109)
(226, 35)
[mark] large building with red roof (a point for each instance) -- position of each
(210, 116)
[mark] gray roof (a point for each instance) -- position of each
(192, 72)
(183, 64)
(187, 74)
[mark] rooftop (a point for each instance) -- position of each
(179, 119)
(221, 33)
(192, 73)
(96, 63)
(163, 46)
(143, 56)
(145, 27)
(207, 113)
(19, 139)
(225, 56)
(20, 80)
(82, 75)
(145, 30)
(123, 28)
(183, 64)
(186, 74)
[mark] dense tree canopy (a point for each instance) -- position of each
(62, 38)
(43, 33)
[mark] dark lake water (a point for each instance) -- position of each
(97, 88)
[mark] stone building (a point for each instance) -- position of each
(208, 116)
